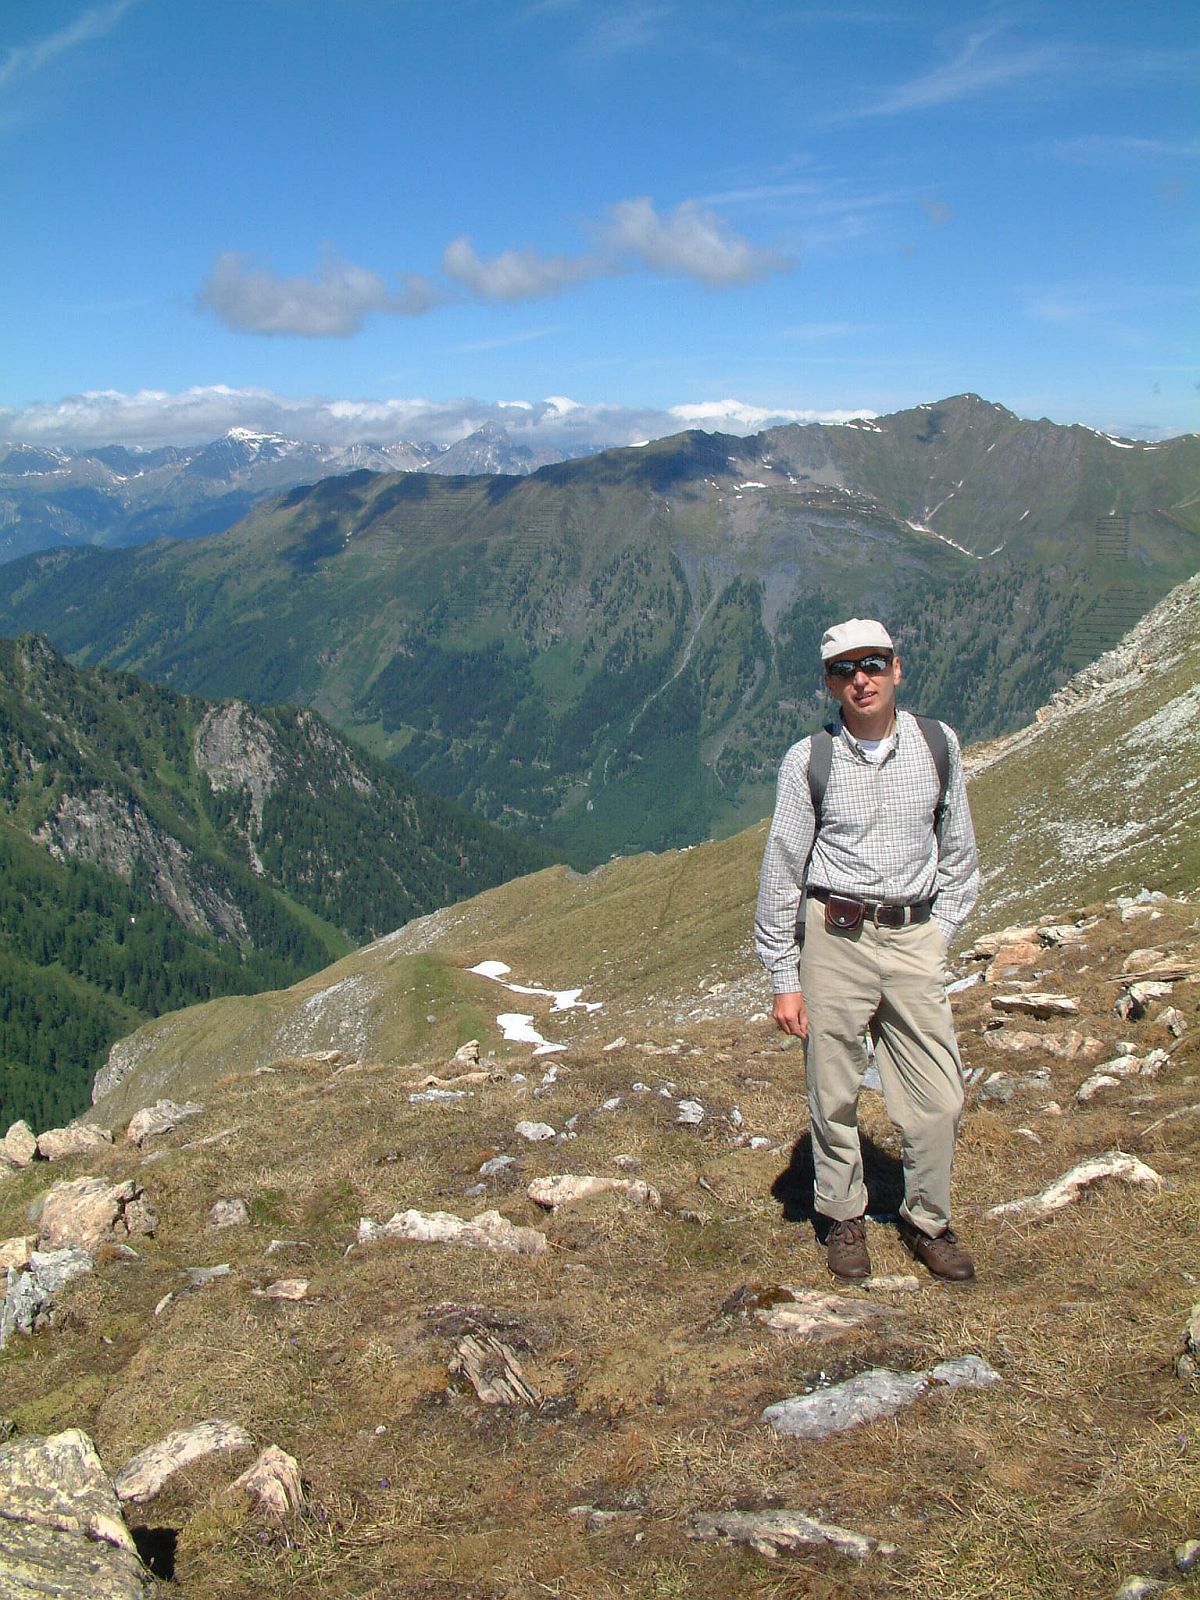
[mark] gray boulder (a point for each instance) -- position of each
(61, 1528)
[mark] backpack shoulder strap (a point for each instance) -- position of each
(935, 737)
(820, 763)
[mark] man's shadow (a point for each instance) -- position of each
(883, 1174)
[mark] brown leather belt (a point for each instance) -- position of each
(878, 912)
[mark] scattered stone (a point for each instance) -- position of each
(627, 1163)
(1091, 1087)
(1138, 1588)
(436, 1096)
(1021, 956)
(63, 1532)
(988, 944)
(488, 1231)
(285, 1289)
(467, 1055)
(497, 1165)
(619, 1043)
(1060, 933)
(968, 982)
(15, 1252)
(1172, 1019)
(1187, 1364)
(162, 1117)
(491, 1368)
(20, 1144)
(775, 1533)
(53, 1269)
(817, 1314)
(613, 1103)
(534, 1131)
(691, 1113)
(1067, 1189)
(877, 1393)
(565, 1190)
(201, 1277)
(77, 1139)
(228, 1214)
(90, 1212)
(143, 1476)
(272, 1483)
(26, 1306)
(1068, 1046)
(1187, 1555)
(999, 1087)
(1037, 1005)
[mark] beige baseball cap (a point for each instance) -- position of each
(859, 633)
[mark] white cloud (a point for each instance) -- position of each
(515, 274)
(691, 240)
(26, 60)
(333, 305)
(1104, 150)
(193, 416)
(975, 68)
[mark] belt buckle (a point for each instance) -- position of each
(892, 916)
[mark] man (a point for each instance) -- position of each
(881, 881)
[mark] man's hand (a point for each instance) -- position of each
(791, 1014)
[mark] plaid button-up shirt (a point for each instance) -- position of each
(876, 842)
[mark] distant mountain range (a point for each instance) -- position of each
(156, 850)
(117, 495)
(614, 652)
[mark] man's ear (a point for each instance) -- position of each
(897, 671)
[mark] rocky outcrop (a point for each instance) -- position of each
(113, 831)
(90, 1212)
(776, 1533)
(20, 1144)
(878, 1393)
(78, 1139)
(162, 1117)
(272, 1483)
(488, 1231)
(141, 1478)
(1067, 1189)
(63, 1531)
(565, 1190)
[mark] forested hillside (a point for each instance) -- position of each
(156, 850)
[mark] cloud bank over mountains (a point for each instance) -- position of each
(690, 242)
(193, 416)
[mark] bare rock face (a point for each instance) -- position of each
(90, 1212)
(776, 1533)
(20, 1144)
(161, 1117)
(63, 1532)
(141, 1478)
(78, 1139)
(272, 1484)
(488, 1231)
(1041, 1006)
(492, 1369)
(817, 1314)
(1067, 1046)
(228, 1214)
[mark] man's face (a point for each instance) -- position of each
(866, 696)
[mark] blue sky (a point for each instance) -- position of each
(396, 218)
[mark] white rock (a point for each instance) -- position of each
(488, 1231)
(272, 1483)
(77, 1139)
(467, 1055)
(1067, 1189)
(619, 1043)
(613, 1103)
(143, 1476)
(1068, 1046)
(285, 1289)
(15, 1252)
(20, 1145)
(877, 1393)
(429, 1097)
(1037, 1005)
(691, 1113)
(534, 1131)
(89, 1212)
(161, 1117)
(564, 1190)
(1091, 1087)
(773, 1533)
(817, 1314)
(497, 1164)
(1139, 1588)
(228, 1214)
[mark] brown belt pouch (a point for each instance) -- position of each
(843, 913)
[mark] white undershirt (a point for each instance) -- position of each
(876, 749)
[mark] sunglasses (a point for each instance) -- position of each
(872, 665)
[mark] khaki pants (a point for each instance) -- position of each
(888, 982)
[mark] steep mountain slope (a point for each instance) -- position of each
(612, 652)
(158, 850)
(582, 1411)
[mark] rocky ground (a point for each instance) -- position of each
(522, 1324)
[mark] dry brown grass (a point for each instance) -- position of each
(1081, 1468)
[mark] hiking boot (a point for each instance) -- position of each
(846, 1247)
(943, 1253)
